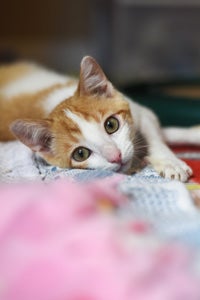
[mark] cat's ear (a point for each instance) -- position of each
(35, 134)
(93, 81)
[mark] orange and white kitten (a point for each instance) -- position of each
(80, 124)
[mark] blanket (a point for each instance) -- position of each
(166, 204)
(94, 234)
(65, 240)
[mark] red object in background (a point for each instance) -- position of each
(194, 163)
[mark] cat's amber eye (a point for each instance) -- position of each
(111, 125)
(81, 153)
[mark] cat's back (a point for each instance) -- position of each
(10, 72)
(28, 90)
(26, 77)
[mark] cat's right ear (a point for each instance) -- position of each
(35, 134)
(93, 81)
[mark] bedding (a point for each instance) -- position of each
(66, 240)
(166, 204)
(38, 202)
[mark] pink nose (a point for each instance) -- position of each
(116, 158)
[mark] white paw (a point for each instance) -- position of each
(172, 169)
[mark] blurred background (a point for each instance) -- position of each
(143, 45)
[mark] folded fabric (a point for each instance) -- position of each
(17, 163)
(65, 240)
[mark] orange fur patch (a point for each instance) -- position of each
(9, 73)
(23, 107)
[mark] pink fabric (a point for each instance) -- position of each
(56, 243)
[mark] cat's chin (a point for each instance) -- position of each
(123, 168)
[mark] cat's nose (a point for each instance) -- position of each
(116, 157)
(112, 154)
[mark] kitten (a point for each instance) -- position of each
(80, 124)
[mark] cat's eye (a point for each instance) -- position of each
(81, 153)
(111, 125)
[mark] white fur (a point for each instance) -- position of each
(176, 135)
(98, 141)
(160, 156)
(57, 96)
(33, 82)
(91, 131)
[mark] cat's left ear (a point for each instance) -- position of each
(93, 81)
(35, 134)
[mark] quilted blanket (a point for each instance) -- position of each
(57, 249)
(166, 204)
(69, 240)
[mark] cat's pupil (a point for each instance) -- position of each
(110, 124)
(81, 153)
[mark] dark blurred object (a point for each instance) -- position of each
(176, 102)
(53, 33)
(155, 39)
(133, 40)
(8, 56)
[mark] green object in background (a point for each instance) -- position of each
(172, 110)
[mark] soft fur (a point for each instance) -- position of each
(54, 115)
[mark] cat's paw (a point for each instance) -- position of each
(172, 169)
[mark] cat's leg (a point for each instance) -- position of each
(159, 155)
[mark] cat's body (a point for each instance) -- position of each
(81, 124)
(30, 91)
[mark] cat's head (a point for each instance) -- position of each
(91, 129)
